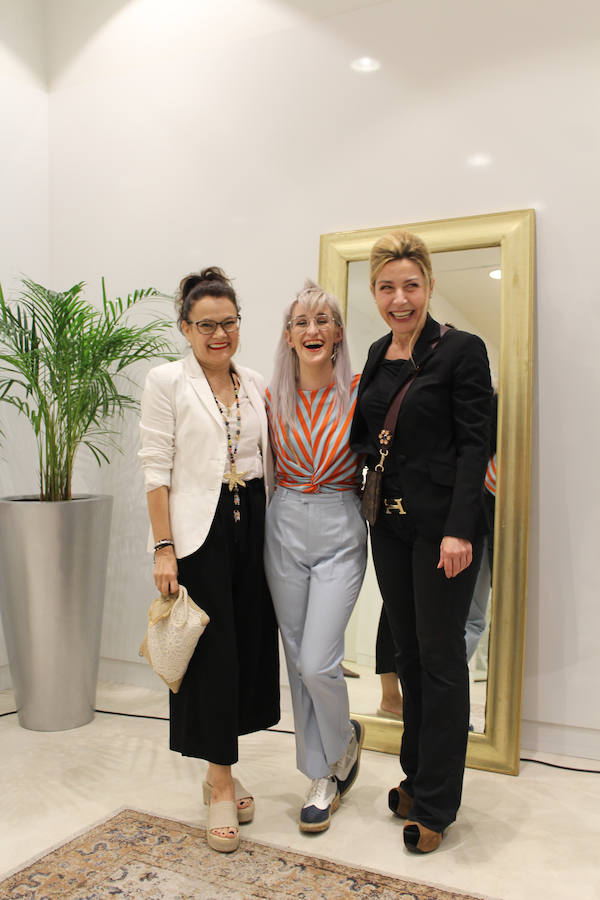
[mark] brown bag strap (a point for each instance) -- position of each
(386, 434)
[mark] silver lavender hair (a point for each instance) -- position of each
(285, 375)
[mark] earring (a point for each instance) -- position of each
(334, 353)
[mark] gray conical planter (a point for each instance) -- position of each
(52, 578)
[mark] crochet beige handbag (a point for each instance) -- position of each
(174, 625)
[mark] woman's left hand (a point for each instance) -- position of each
(456, 555)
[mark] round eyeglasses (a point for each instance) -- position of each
(209, 326)
(301, 323)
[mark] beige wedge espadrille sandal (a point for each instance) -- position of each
(246, 813)
(222, 815)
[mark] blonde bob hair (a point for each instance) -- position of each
(399, 245)
(284, 382)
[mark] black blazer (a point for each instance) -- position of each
(441, 444)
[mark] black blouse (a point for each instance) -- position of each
(377, 398)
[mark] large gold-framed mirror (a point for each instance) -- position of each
(504, 241)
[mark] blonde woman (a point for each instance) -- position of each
(315, 542)
(428, 537)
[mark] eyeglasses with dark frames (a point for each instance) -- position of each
(209, 326)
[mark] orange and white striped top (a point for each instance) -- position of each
(490, 475)
(313, 455)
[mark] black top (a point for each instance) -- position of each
(378, 396)
(441, 445)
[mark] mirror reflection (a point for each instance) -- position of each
(467, 295)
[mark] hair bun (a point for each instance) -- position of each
(213, 273)
(209, 275)
(188, 284)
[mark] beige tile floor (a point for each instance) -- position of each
(535, 836)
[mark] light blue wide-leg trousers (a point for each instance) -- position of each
(315, 558)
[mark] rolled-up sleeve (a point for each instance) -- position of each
(157, 431)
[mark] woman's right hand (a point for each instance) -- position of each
(165, 571)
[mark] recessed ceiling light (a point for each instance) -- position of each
(478, 160)
(496, 274)
(365, 64)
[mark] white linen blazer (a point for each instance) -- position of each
(184, 445)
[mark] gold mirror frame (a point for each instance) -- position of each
(497, 749)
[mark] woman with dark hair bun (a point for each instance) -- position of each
(208, 470)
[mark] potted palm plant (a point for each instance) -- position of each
(66, 366)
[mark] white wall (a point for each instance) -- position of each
(23, 204)
(24, 145)
(236, 133)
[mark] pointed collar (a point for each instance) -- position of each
(199, 381)
(429, 333)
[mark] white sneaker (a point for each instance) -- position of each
(346, 768)
(322, 799)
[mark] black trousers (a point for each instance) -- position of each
(385, 652)
(427, 613)
(231, 686)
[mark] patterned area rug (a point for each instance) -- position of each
(136, 856)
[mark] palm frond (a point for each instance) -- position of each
(62, 365)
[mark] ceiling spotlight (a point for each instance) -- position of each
(365, 64)
(496, 274)
(478, 160)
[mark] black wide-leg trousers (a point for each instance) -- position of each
(427, 613)
(231, 686)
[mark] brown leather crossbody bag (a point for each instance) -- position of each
(370, 502)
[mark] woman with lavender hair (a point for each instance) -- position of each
(315, 541)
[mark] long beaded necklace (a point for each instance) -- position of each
(233, 478)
